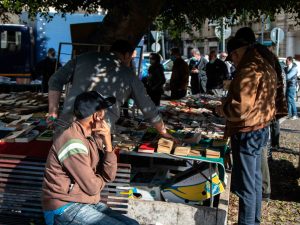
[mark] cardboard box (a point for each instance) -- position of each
(193, 189)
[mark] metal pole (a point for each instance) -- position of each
(163, 45)
(262, 28)
(277, 37)
(58, 55)
(223, 36)
(211, 186)
(156, 41)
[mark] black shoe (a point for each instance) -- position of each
(270, 158)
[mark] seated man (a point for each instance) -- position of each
(74, 177)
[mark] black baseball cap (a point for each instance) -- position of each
(87, 103)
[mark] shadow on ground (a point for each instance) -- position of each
(284, 182)
(286, 150)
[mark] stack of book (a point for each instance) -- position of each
(197, 150)
(182, 151)
(212, 153)
(165, 146)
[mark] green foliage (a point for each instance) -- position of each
(192, 13)
(176, 15)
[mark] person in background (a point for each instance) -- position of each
(291, 72)
(80, 162)
(133, 66)
(108, 73)
(216, 71)
(275, 125)
(197, 67)
(249, 108)
(156, 79)
(230, 66)
(46, 68)
(180, 75)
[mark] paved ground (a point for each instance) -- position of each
(284, 206)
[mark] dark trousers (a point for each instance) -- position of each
(203, 82)
(195, 83)
(265, 172)
(155, 97)
(246, 173)
(275, 133)
(178, 94)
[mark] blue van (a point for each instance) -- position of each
(16, 53)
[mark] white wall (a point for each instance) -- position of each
(290, 44)
(297, 43)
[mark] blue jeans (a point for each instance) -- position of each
(92, 214)
(290, 95)
(246, 173)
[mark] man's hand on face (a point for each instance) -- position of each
(103, 129)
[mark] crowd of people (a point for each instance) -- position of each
(82, 159)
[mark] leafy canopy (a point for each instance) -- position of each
(183, 14)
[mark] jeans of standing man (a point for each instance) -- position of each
(290, 95)
(88, 214)
(265, 172)
(246, 173)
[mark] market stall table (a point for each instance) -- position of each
(12, 87)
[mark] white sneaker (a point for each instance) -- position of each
(294, 118)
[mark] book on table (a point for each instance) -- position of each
(165, 146)
(146, 147)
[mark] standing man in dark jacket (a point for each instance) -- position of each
(156, 79)
(217, 72)
(46, 68)
(197, 67)
(291, 72)
(180, 75)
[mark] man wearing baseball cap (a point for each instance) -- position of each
(74, 177)
(248, 109)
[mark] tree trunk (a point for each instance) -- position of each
(129, 24)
